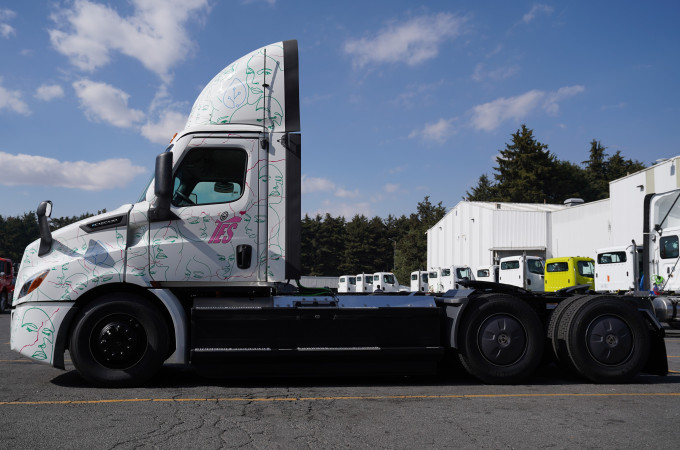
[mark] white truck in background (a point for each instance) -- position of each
(347, 284)
(364, 282)
(197, 272)
(487, 273)
(443, 279)
(419, 281)
(617, 269)
(526, 272)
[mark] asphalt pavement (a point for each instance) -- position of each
(45, 407)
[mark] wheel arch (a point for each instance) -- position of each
(164, 301)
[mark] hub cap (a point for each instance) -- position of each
(118, 341)
(609, 340)
(502, 339)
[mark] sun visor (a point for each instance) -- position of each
(261, 88)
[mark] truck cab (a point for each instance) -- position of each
(487, 273)
(347, 284)
(364, 282)
(385, 282)
(419, 281)
(568, 271)
(615, 268)
(522, 271)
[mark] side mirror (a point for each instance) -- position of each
(162, 188)
(43, 212)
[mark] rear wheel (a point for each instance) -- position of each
(501, 339)
(119, 340)
(606, 339)
(559, 347)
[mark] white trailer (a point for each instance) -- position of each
(522, 271)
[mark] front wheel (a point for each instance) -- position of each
(501, 339)
(119, 340)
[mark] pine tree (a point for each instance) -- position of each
(525, 169)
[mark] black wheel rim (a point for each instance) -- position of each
(118, 341)
(502, 339)
(609, 340)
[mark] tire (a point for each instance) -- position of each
(674, 325)
(502, 339)
(606, 339)
(119, 340)
(558, 347)
(4, 305)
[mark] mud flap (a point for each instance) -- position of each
(657, 363)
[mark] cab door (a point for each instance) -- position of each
(215, 236)
(669, 253)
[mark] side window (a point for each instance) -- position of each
(536, 266)
(586, 269)
(483, 273)
(509, 265)
(210, 175)
(557, 267)
(668, 247)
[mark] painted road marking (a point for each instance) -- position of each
(311, 399)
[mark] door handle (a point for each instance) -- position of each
(244, 253)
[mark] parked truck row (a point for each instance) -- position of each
(197, 271)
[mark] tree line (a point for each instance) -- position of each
(17, 232)
(526, 171)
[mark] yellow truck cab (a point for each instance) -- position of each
(568, 271)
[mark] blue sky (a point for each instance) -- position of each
(399, 100)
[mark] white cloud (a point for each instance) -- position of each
(29, 170)
(536, 9)
(391, 188)
(48, 92)
(162, 131)
(6, 30)
(489, 116)
(550, 104)
(344, 193)
(12, 101)
(346, 210)
(438, 132)
(155, 34)
(103, 102)
(481, 74)
(412, 42)
(313, 184)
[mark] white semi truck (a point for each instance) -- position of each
(196, 273)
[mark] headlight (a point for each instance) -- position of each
(32, 283)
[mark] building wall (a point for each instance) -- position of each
(473, 232)
(581, 230)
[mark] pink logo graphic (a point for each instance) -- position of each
(225, 226)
